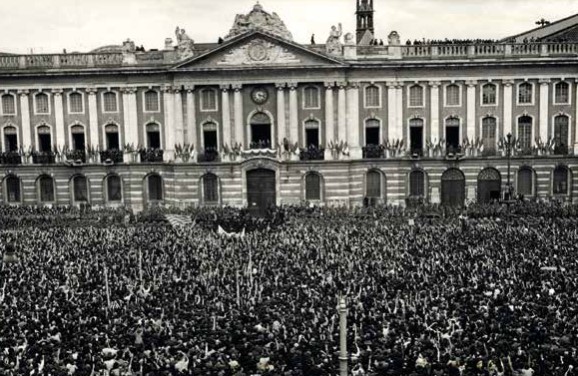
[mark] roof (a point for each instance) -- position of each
(546, 31)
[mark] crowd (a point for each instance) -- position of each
(452, 42)
(482, 291)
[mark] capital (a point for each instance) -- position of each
(391, 84)
(91, 90)
(329, 85)
(57, 92)
(544, 81)
(189, 88)
(167, 89)
(292, 85)
(280, 85)
(434, 84)
(342, 85)
(23, 93)
(224, 87)
(176, 89)
(471, 83)
(237, 87)
(354, 85)
(128, 90)
(508, 83)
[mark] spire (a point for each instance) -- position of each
(364, 18)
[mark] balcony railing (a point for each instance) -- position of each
(151, 155)
(76, 156)
(452, 150)
(44, 157)
(209, 155)
(51, 61)
(10, 158)
(257, 145)
(312, 154)
(373, 152)
(112, 156)
(416, 152)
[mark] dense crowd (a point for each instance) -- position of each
(453, 42)
(432, 291)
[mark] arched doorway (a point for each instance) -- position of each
(453, 188)
(261, 190)
(489, 186)
(260, 131)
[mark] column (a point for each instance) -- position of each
(329, 113)
(507, 127)
(353, 120)
(26, 141)
(544, 103)
(293, 114)
(93, 117)
(391, 111)
(169, 133)
(471, 110)
(435, 111)
(399, 120)
(238, 115)
(191, 118)
(61, 138)
(226, 111)
(576, 121)
(341, 112)
(179, 132)
(281, 126)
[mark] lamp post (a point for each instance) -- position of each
(509, 155)
(342, 337)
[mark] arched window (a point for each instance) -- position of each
(525, 132)
(312, 138)
(80, 189)
(13, 189)
(155, 188)
(373, 184)
(112, 137)
(416, 96)
(489, 96)
(210, 140)
(560, 181)
(151, 99)
(41, 102)
(312, 187)
(452, 95)
(372, 132)
(109, 102)
(416, 136)
(489, 135)
(210, 189)
(44, 139)
(453, 134)
(526, 181)
(208, 100)
(113, 188)
(75, 104)
(562, 93)
(153, 136)
(78, 138)
(260, 131)
(561, 123)
(311, 97)
(525, 93)
(46, 188)
(417, 184)
(372, 98)
(8, 105)
(10, 138)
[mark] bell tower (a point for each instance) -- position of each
(364, 20)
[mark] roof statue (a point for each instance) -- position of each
(185, 45)
(259, 19)
(333, 45)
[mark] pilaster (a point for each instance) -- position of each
(341, 112)
(238, 114)
(169, 126)
(130, 135)
(471, 110)
(576, 120)
(226, 112)
(293, 113)
(435, 111)
(92, 116)
(179, 132)
(399, 121)
(391, 110)
(508, 87)
(544, 104)
(61, 139)
(281, 126)
(353, 120)
(25, 118)
(191, 117)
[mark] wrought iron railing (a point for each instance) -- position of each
(76, 156)
(10, 158)
(209, 155)
(112, 156)
(151, 155)
(373, 152)
(47, 157)
(312, 154)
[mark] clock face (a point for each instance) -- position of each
(260, 95)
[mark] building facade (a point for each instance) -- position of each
(258, 119)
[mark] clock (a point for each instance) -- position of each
(260, 95)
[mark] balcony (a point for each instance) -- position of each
(260, 145)
(561, 150)
(416, 152)
(151, 155)
(76, 156)
(453, 151)
(112, 156)
(373, 152)
(312, 154)
(10, 158)
(47, 157)
(209, 155)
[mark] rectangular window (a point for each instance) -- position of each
(416, 96)
(151, 101)
(311, 98)
(452, 95)
(208, 100)
(525, 93)
(525, 135)
(75, 103)
(372, 97)
(489, 94)
(562, 93)
(109, 101)
(42, 106)
(8, 105)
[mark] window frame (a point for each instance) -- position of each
(103, 101)
(497, 98)
(6, 193)
(423, 129)
(320, 188)
(204, 192)
(569, 102)
(69, 102)
(568, 181)
(3, 135)
(533, 178)
(379, 127)
(460, 95)
(206, 123)
(37, 136)
(532, 97)
(35, 103)
(382, 183)
(318, 127)
(148, 193)
(14, 97)
(318, 97)
(108, 201)
(39, 190)
(365, 96)
(72, 183)
(423, 96)
(568, 141)
(424, 184)
(532, 125)
(202, 103)
(496, 130)
(144, 101)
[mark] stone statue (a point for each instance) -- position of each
(349, 39)
(333, 45)
(394, 39)
(185, 45)
(259, 19)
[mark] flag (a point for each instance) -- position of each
(222, 232)
(179, 220)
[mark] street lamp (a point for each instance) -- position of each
(508, 146)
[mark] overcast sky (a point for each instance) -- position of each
(82, 25)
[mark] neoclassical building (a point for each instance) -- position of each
(258, 119)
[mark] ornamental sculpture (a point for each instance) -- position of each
(333, 45)
(258, 19)
(185, 45)
(258, 52)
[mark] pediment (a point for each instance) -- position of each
(257, 49)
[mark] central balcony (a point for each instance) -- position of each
(10, 158)
(46, 157)
(209, 155)
(112, 156)
(312, 153)
(151, 155)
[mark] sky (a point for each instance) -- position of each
(49, 26)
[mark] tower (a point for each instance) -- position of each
(364, 21)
